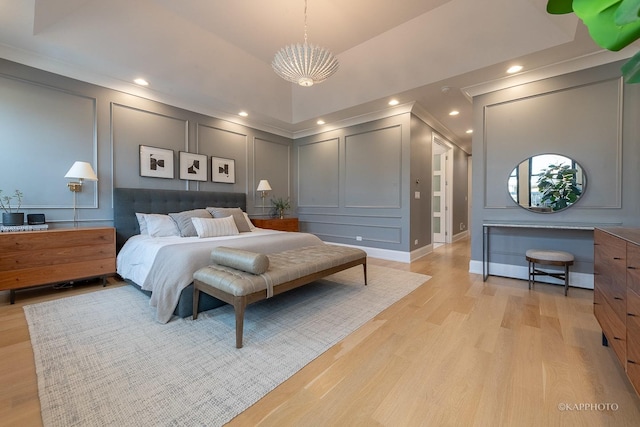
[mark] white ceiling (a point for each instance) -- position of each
(214, 56)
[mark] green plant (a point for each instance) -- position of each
(612, 24)
(280, 206)
(5, 201)
(557, 184)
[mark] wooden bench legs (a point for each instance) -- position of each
(239, 303)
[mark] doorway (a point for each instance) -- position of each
(442, 167)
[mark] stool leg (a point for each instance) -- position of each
(532, 274)
(566, 279)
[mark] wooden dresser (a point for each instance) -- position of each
(32, 258)
(617, 295)
(284, 224)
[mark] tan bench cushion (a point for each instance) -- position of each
(283, 267)
(542, 255)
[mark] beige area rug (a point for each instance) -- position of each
(102, 360)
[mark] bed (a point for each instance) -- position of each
(163, 267)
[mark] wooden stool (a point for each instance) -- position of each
(542, 256)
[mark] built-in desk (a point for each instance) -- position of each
(487, 226)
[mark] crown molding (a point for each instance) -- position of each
(569, 66)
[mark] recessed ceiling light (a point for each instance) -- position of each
(514, 69)
(394, 102)
(470, 131)
(454, 113)
(243, 113)
(320, 122)
(141, 82)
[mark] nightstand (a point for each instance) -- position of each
(284, 224)
(34, 258)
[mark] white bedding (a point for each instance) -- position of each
(165, 265)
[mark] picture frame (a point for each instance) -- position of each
(156, 162)
(223, 170)
(193, 167)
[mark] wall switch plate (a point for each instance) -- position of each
(359, 238)
(417, 194)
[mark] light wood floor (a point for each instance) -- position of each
(456, 352)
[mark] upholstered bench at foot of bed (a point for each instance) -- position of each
(286, 270)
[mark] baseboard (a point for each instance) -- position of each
(390, 255)
(577, 280)
(460, 236)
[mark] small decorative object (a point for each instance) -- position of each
(11, 216)
(280, 206)
(223, 170)
(156, 162)
(35, 219)
(193, 166)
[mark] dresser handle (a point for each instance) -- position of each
(632, 315)
(618, 298)
(631, 361)
(631, 267)
(615, 257)
(619, 339)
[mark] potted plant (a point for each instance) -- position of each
(280, 206)
(11, 216)
(557, 184)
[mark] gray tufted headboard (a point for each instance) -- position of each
(128, 201)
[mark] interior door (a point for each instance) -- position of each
(439, 204)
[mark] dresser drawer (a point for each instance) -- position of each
(610, 270)
(612, 327)
(633, 327)
(34, 258)
(633, 338)
(633, 267)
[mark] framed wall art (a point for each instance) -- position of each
(223, 170)
(156, 162)
(193, 166)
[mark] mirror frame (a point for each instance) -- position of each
(567, 186)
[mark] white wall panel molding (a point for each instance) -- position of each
(373, 159)
(48, 129)
(134, 126)
(271, 161)
(583, 122)
(319, 185)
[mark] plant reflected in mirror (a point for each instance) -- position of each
(547, 183)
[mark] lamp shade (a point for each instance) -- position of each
(263, 185)
(81, 170)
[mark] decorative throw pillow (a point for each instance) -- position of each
(184, 223)
(215, 227)
(251, 262)
(161, 225)
(236, 213)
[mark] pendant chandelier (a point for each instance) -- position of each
(305, 64)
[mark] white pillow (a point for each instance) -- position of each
(251, 226)
(161, 225)
(142, 222)
(215, 227)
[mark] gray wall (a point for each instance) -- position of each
(355, 181)
(48, 121)
(360, 181)
(590, 116)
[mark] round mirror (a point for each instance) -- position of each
(547, 183)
